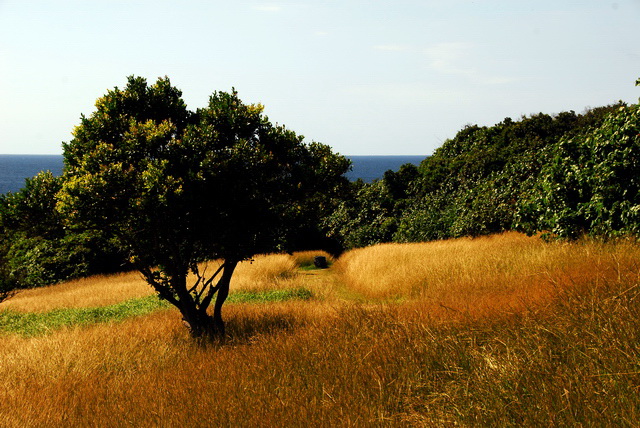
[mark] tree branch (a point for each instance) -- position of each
(162, 289)
(212, 290)
(199, 277)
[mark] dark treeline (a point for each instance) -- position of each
(566, 175)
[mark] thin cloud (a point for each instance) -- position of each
(268, 8)
(454, 58)
(416, 93)
(391, 48)
(448, 58)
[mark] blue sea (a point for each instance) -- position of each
(370, 168)
(15, 168)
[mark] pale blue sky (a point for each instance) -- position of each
(366, 77)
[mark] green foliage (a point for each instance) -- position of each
(592, 183)
(528, 175)
(428, 219)
(37, 249)
(364, 217)
(38, 261)
(368, 213)
(477, 152)
(227, 186)
(32, 209)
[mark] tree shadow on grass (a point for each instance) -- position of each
(242, 329)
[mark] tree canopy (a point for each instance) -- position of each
(175, 187)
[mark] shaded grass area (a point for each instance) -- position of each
(37, 323)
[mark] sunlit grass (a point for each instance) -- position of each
(265, 271)
(494, 273)
(559, 348)
(102, 290)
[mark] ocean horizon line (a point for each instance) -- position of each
(60, 154)
(15, 168)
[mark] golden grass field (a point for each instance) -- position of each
(505, 330)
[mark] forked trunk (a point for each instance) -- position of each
(198, 321)
(199, 325)
(223, 292)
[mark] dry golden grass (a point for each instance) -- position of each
(95, 291)
(569, 358)
(500, 272)
(264, 272)
(278, 271)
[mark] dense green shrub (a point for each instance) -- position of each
(567, 173)
(591, 183)
(37, 248)
(365, 216)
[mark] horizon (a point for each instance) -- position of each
(60, 154)
(19, 167)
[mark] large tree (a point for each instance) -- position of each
(176, 188)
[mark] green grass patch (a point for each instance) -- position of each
(30, 324)
(269, 296)
(38, 323)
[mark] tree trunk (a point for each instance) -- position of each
(198, 321)
(199, 325)
(223, 292)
